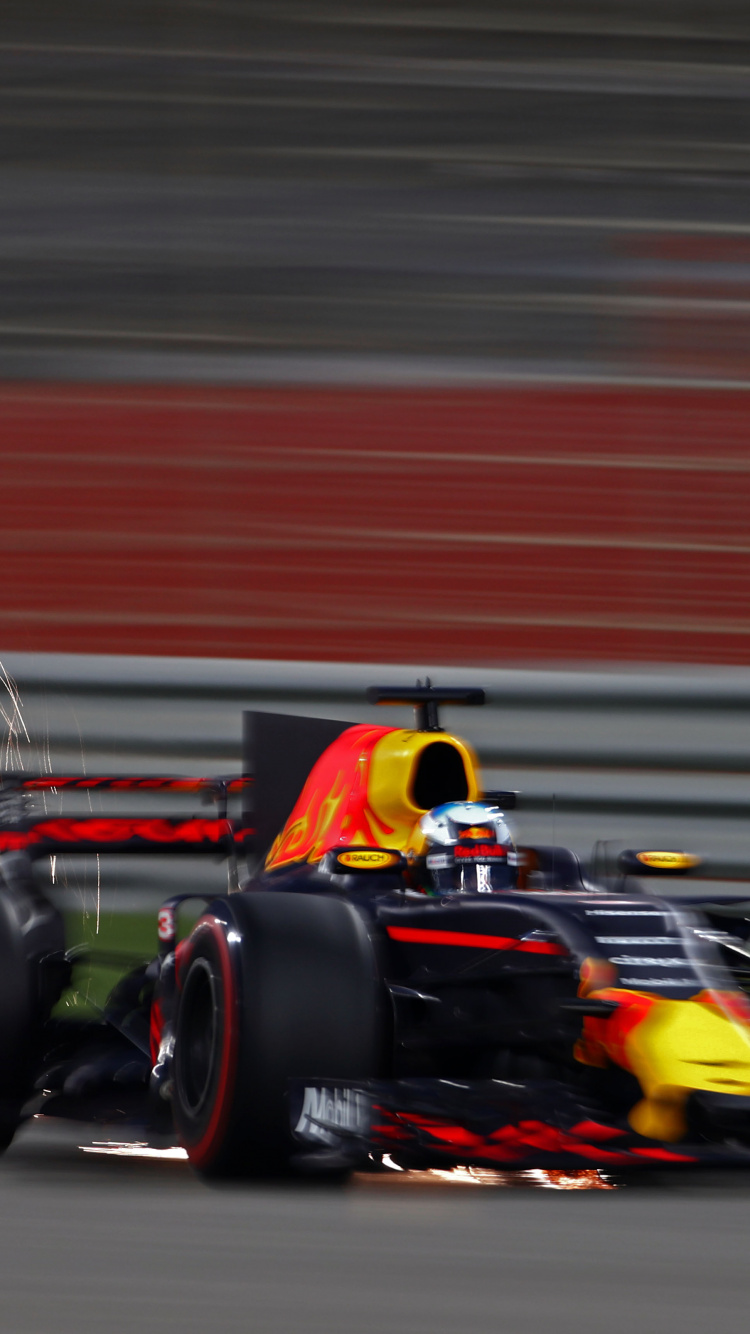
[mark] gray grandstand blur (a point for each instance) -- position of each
(633, 758)
(543, 188)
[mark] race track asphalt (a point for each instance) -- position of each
(112, 1244)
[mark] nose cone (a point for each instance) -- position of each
(676, 1048)
(691, 1044)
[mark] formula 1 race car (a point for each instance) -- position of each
(396, 979)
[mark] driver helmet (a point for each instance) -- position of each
(468, 848)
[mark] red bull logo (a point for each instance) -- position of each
(480, 852)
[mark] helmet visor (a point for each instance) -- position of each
(471, 869)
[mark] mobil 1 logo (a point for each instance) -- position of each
(329, 1115)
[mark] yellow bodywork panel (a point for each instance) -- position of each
(393, 770)
(362, 792)
(674, 1048)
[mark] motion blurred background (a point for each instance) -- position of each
(385, 333)
(376, 331)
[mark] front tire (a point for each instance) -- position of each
(274, 986)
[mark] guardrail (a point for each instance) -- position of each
(651, 756)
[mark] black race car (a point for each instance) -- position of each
(395, 981)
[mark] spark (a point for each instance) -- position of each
(52, 867)
(587, 1179)
(46, 757)
(457, 1175)
(529, 1179)
(83, 890)
(388, 1162)
(80, 740)
(137, 1149)
(16, 727)
(98, 891)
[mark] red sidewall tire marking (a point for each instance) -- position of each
(202, 1153)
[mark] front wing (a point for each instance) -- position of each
(424, 1123)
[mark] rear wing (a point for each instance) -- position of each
(22, 828)
(278, 751)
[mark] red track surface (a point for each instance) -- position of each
(460, 526)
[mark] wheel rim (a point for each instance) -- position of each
(199, 1037)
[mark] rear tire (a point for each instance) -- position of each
(32, 975)
(274, 986)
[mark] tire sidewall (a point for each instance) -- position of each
(203, 1129)
(300, 990)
